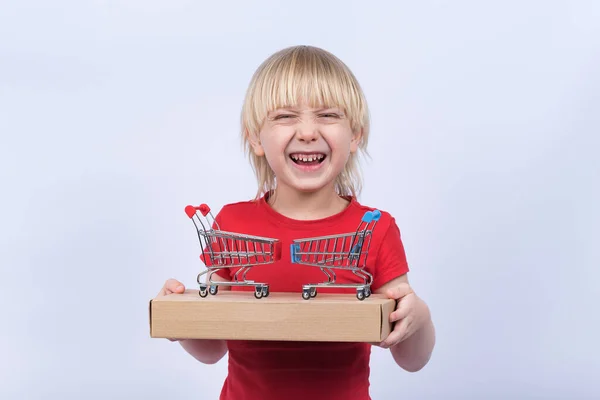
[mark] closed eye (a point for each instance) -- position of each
(284, 116)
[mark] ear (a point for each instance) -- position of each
(356, 139)
(255, 143)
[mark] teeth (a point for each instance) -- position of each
(308, 158)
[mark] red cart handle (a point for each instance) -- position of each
(191, 210)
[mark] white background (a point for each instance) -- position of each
(115, 115)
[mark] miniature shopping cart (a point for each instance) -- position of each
(222, 250)
(342, 252)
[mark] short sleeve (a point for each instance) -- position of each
(390, 261)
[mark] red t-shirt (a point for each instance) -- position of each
(265, 370)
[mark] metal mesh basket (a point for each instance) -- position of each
(222, 250)
(347, 251)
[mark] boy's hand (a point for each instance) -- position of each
(410, 315)
(171, 286)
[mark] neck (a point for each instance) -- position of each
(307, 205)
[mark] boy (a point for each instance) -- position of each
(304, 120)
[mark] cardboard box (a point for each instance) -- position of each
(281, 316)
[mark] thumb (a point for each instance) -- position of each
(397, 292)
(174, 286)
(179, 289)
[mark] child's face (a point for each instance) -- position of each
(306, 147)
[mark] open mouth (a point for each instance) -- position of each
(308, 159)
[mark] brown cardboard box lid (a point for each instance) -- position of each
(281, 316)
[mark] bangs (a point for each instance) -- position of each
(309, 82)
(303, 76)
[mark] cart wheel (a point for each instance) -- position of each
(265, 291)
(258, 293)
(214, 289)
(360, 294)
(306, 294)
(313, 292)
(202, 292)
(367, 291)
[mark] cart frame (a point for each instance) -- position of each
(223, 250)
(348, 251)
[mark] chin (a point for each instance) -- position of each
(307, 184)
(310, 188)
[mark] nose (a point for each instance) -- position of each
(307, 132)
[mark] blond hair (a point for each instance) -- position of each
(321, 79)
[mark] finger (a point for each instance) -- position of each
(175, 286)
(404, 307)
(392, 339)
(398, 292)
(401, 312)
(172, 286)
(398, 334)
(406, 328)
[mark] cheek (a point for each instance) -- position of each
(338, 138)
(273, 147)
(274, 151)
(340, 146)
(276, 141)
